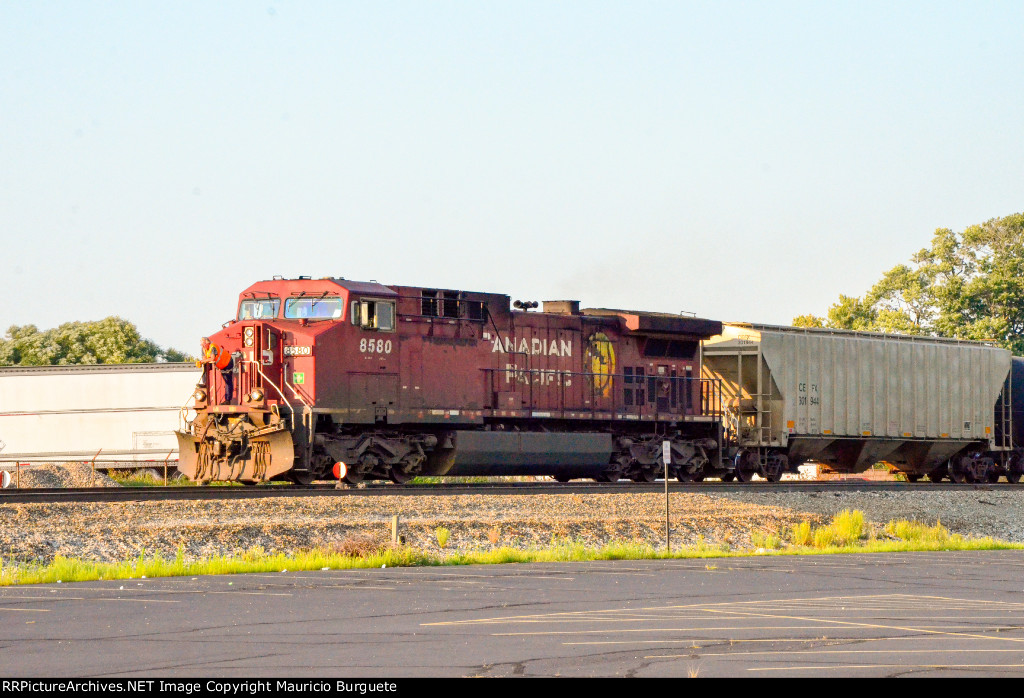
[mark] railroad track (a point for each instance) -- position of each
(150, 494)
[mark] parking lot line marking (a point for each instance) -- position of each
(82, 598)
(721, 607)
(789, 653)
(26, 610)
(833, 667)
(617, 631)
(734, 641)
(245, 593)
(877, 626)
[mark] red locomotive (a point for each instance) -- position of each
(358, 381)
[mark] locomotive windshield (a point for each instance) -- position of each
(263, 309)
(313, 308)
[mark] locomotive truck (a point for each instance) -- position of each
(332, 378)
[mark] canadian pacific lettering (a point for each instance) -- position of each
(534, 347)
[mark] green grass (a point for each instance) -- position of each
(139, 478)
(846, 533)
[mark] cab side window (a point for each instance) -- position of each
(374, 315)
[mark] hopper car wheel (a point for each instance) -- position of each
(775, 467)
(912, 477)
(936, 476)
(1014, 469)
(689, 477)
(562, 478)
(747, 465)
(743, 475)
(728, 477)
(993, 476)
(960, 470)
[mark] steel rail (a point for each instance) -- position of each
(137, 494)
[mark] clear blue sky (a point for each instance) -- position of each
(741, 160)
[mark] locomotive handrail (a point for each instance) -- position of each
(183, 412)
(280, 392)
(297, 394)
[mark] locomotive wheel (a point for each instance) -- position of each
(689, 477)
(993, 476)
(936, 476)
(562, 478)
(613, 473)
(644, 475)
(301, 477)
(399, 475)
(728, 477)
(1012, 476)
(352, 477)
(912, 477)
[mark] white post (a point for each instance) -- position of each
(666, 456)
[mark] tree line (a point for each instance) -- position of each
(112, 340)
(966, 285)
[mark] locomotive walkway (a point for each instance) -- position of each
(143, 494)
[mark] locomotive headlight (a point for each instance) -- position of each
(256, 395)
(199, 395)
(249, 332)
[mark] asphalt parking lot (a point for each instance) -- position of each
(928, 614)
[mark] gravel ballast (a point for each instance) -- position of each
(113, 532)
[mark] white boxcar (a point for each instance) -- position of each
(130, 411)
(851, 399)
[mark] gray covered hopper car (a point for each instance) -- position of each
(851, 399)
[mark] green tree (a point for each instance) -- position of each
(112, 340)
(968, 285)
(808, 321)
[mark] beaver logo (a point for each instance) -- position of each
(599, 360)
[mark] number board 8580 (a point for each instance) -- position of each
(375, 346)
